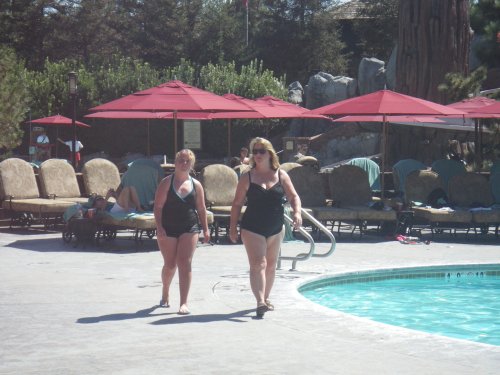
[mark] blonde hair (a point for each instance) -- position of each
(192, 157)
(274, 160)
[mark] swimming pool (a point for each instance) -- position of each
(455, 301)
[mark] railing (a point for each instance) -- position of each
(304, 256)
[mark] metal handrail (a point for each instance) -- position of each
(312, 246)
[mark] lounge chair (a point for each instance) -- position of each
(100, 175)
(446, 169)
(19, 195)
(219, 183)
(473, 191)
(350, 188)
(58, 181)
(372, 170)
(402, 169)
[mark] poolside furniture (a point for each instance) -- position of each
(447, 168)
(20, 196)
(371, 168)
(350, 192)
(219, 183)
(470, 202)
(402, 169)
(100, 175)
(58, 181)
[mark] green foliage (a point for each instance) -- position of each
(485, 20)
(13, 99)
(458, 87)
(253, 81)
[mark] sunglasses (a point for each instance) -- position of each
(261, 151)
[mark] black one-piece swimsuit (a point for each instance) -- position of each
(264, 212)
(179, 215)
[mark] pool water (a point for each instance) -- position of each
(463, 305)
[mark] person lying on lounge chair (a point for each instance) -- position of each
(127, 201)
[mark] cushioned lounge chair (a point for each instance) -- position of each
(446, 169)
(402, 169)
(372, 170)
(473, 191)
(100, 175)
(350, 188)
(19, 195)
(219, 183)
(58, 181)
(465, 191)
(309, 184)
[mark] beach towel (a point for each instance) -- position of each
(144, 175)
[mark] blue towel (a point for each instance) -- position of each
(446, 169)
(372, 170)
(403, 168)
(144, 175)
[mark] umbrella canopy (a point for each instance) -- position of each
(472, 104)
(393, 119)
(267, 107)
(172, 96)
(386, 103)
(58, 120)
(492, 109)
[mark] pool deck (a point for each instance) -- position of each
(66, 310)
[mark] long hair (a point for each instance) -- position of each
(274, 160)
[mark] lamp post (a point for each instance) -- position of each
(72, 93)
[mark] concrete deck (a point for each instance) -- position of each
(66, 310)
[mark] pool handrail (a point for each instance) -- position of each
(312, 246)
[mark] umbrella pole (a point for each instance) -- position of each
(384, 146)
(57, 142)
(149, 141)
(476, 142)
(228, 137)
(175, 133)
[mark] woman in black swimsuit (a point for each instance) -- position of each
(264, 188)
(180, 211)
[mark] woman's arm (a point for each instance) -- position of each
(238, 202)
(202, 210)
(160, 199)
(293, 198)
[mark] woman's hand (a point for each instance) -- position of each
(206, 236)
(297, 220)
(233, 235)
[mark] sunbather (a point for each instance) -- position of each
(126, 201)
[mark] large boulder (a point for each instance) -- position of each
(323, 89)
(295, 93)
(371, 75)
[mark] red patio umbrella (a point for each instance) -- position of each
(267, 107)
(386, 103)
(57, 120)
(174, 96)
(474, 108)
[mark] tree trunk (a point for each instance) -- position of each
(434, 39)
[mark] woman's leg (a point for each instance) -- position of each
(256, 247)
(128, 199)
(273, 250)
(185, 251)
(168, 249)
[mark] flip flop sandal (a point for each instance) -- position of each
(163, 303)
(270, 306)
(261, 310)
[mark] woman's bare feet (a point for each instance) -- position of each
(184, 310)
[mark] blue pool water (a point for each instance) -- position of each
(461, 303)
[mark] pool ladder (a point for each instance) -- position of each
(305, 256)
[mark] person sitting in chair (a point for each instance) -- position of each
(127, 201)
